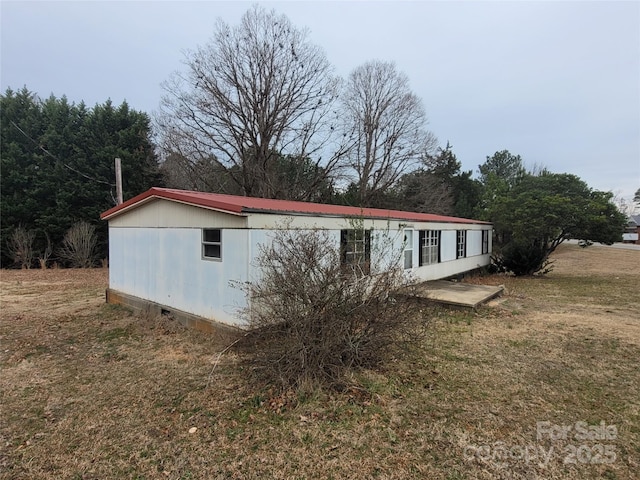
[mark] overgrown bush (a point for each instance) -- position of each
(45, 254)
(79, 245)
(20, 246)
(312, 319)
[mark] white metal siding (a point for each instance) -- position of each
(274, 221)
(474, 243)
(155, 253)
(165, 265)
(449, 269)
(169, 214)
(263, 238)
(448, 245)
(449, 265)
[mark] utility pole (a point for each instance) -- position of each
(118, 181)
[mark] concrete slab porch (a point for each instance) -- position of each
(458, 294)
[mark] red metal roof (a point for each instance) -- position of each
(245, 205)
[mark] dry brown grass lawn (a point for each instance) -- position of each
(89, 391)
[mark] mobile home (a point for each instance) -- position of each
(179, 251)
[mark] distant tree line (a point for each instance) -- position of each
(259, 112)
(57, 163)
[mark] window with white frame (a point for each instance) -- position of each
(355, 246)
(485, 241)
(461, 243)
(212, 243)
(408, 249)
(429, 242)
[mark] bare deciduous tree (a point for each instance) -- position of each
(79, 244)
(388, 123)
(625, 205)
(202, 175)
(422, 191)
(254, 92)
(20, 245)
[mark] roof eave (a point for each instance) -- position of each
(364, 216)
(235, 208)
(155, 193)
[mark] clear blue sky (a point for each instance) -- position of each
(555, 82)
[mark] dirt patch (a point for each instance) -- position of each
(53, 291)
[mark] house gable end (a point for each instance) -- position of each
(165, 213)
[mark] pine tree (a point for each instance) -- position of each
(58, 163)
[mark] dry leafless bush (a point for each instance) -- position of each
(44, 256)
(312, 319)
(78, 245)
(20, 245)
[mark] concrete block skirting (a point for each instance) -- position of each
(140, 305)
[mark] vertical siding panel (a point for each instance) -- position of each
(165, 265)
(448, 245)
(474, 243)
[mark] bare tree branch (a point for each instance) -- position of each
(255, 92)
(79, 244)
(312, 319)
(20, 246)
(388, 123)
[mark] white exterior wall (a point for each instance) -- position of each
(155, 253)
(165, 265)
(259, 238)
(442, 270)
(392, 241)
(449, 265)
(158, 213)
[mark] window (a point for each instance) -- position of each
(429, 241)
(461, 243)
(355, 246)
(408, 249)
(485, 241)
(212, 243)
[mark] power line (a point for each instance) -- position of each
(88, 177)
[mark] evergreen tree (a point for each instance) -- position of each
(58, 164)
(542, 211)
(439, 187)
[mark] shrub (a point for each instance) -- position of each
(312, 319)
(20, 246)
(44, 256)
(79, 244)
(523, 258)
